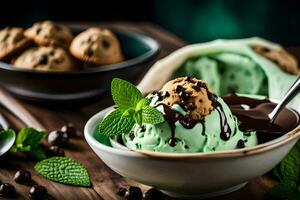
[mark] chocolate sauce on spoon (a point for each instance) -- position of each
(252, 115)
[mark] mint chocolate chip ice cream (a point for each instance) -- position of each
(196, 120)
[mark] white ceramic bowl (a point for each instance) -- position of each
(190, 176)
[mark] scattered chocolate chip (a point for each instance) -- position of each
(89, 40)
(231, 76)
(18, 38)
(165, 94)
(142, 128)
(189, 79)
(105, 44)
(178, 88)
(184, 96)
(22, 177)
(38, 30)
(153, 194)
(53, 151)
(89, 52)
(43, 60)
(160, 96)
(190, 106)
(57, 61)
(37, 192)
(133, 193)
(241, 144)
(186, 146)
(7, 190)
(52, 53)
(154, 93)
(172, 142)
(121, 192)
(131, 135)
(196, 88)
(70, 130)
(58, 138)
(6, 36)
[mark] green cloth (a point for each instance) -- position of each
(239, 69)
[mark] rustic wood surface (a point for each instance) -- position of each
(105, 182)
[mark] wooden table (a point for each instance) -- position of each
(105, 182)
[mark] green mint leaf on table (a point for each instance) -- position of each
(125, 94)
(288, 173)
(151, 115)
(28, 141)
(63, 170)
(29, 138)
(132, 108)
(284, 189)
(116, 124)
(289, 167)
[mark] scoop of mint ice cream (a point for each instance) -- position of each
(203, 137)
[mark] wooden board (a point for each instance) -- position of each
(105, 182)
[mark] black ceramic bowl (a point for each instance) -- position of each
(138, 50)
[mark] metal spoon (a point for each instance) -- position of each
(270, 117)
(7, 140)
(293, 91)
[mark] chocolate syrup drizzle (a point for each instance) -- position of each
(172, 116)
(255, 117)
(248, 121)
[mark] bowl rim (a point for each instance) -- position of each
(248, 151)
(149, 41)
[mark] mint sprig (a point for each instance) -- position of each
(28, 142)
(116, 123)
(288, 173)
(132, 108)
(63, 170)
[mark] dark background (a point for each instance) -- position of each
(193, 20)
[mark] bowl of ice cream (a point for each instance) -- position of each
(201, 149)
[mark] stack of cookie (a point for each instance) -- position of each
(47, 46)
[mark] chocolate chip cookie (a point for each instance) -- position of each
(48, 33)
(12, 40)
(45, 59)
(282, 58)
(97, 46)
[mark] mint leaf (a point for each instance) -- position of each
(151, 115)
(284, 189)
(37, 154)
(28, 141)
(63, 170)
(132, 108)
(116, 124)
(125, 94)
(289, 167)
(29, 138)
(142, 103)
